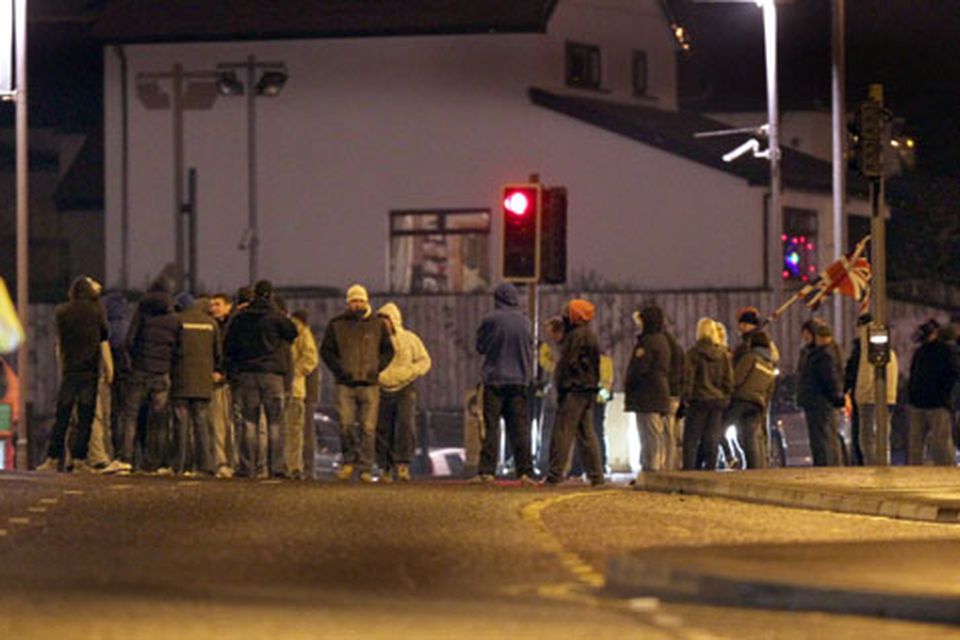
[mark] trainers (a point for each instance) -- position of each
(164, 471)
(366, 477)
(81, 466)
(117, 466)
(224, 472)
(483, 478)
(50, 465)
(403, 472)
(345, 472)
(527, 481)
(386, 476)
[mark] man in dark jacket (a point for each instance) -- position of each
(647, 387)
(254, 351)
(356, 347)
(221, 400)
(81, 330)
(197, 368)
(506, 344)
(578, 379)
(933, 372)
(820, 394)
(677, 378)
(153, 342)
(754, 375)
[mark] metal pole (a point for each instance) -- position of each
(190, 210)
(838, 88)
(252, 167)
(178, 171)
(773, 120)
(23, 229)
(878, 248)
(124, 169)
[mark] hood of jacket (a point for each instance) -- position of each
(392, 312)
(156, 303)
(506, 296)
(653, 321)
(84, 288)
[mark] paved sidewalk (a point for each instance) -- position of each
(930, 494)
(904, 579)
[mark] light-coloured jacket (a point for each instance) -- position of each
(864, 392)
(410, 357)
(305, 358)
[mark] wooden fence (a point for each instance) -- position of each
(447, 324)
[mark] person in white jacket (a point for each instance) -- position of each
(865, 398)
(398, 397)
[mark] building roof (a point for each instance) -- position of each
(190, 20)
(673, 131)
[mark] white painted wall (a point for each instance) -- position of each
(365, 126)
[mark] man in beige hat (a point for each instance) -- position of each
(356, 348)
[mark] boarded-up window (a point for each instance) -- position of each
(440, 251)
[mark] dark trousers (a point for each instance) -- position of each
(261, 391)
(599, 418)
(702, 434)
(748, 418)
(823, 426)
(153, 389)
(575, 423)
(395, 427)
(80, 391)
(511, 402)
(192, 436)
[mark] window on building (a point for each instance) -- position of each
(640, 73)
(800, 243)
(583, 65)
(439, 251)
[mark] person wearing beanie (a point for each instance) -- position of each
(81, 334)
(820, 395)
(647, 387)
(577, 379)
(255, 353)
(933, 372)
(505, 341)
(396, 433)
(356, 347)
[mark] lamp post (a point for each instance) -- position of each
(272, 77)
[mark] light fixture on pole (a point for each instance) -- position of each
(273, 77)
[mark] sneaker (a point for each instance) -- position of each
(527, 481)
(117, 466)
(81, 466)
(483, 478)
(190, 474)
(345, 472)
(597, 482)
(386, 476)
(224, 472)
(50, 465)
(164, 471)
(403, 472)
(366, 477)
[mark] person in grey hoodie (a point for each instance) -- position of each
(505, 341)
(708, 385)
(647, 387)
(398, 397)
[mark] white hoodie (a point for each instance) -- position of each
(410, 358)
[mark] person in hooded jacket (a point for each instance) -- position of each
(398, 397)
(356, 347)
(578, 380)
(153, 342)
(505, 341)
(304, 359)
(254, 353)
(647, 387)
(197, 369)
(118, 320)
(81, 334)
(820, 394)
(933, 372)
(709, 385)
(754, 376)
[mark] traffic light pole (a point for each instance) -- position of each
(878, 248)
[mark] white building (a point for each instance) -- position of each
(389, 125)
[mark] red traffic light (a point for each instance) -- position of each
(517, 203)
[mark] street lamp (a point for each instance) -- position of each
(273, 76)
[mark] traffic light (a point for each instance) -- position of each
(520, 249)
(870, 126)
(553, 236)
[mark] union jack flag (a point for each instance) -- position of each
(848, 276)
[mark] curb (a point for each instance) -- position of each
(792, 496)
(628, 576)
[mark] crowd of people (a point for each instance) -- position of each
(222, 387)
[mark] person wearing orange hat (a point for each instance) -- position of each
(578, 380)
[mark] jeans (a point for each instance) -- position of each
(192, 436)
(395, 428)
(868, 434)
(702, 434)
(930, 428)
(309, 441)
(654, 440)
(76, 390)
(293, 418)
(575, 423)
(358, 408)
(823, 425)
(599, 418)
(153, 388)
(261, 391)
(101, 451)
(512, 403)
(748, 419)
(222, 417)
(674, 436)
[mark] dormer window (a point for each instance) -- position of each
(583, 65)
(640, 73)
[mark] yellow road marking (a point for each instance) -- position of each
(36, 509)
(49, 500)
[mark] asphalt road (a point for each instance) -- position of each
(143, 557)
